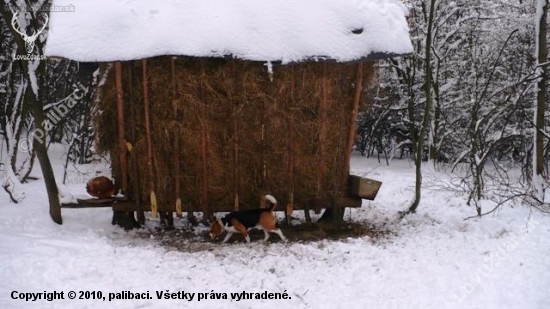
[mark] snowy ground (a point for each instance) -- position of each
(434, 260)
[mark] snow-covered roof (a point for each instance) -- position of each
(263, 30)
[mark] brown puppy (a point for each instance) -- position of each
(243, 221)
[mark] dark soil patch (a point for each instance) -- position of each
(197, 239)
(316, 231)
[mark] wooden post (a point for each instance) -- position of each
(133, 156)
(334, 213)
(204, 155)
(123, 218)
(236, 162)
(322, 132)
(306, 205)
(179, 208)
(236, 89)
(289, 207)
(263, 157)
(120, 126)
(204, 150)
(291, 154)
(150, 166)
(175, 143)
(352, 121)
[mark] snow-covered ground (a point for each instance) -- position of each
(434, 259)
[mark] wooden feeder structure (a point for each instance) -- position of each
(215, 129)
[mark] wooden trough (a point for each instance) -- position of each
(364, 188)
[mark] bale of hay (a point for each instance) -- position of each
(240, 132)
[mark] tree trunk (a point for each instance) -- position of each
(427, 111)
(542, 70)
(42, 151)
(434, 152)
(38, 113)
(47, 171)
(36, 106)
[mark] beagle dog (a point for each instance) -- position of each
(243, 221)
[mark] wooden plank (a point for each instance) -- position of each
(93, 202)
(122, 204)
(348, 201)
(96, 200)
(85, 205)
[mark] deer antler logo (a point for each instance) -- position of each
(29, 39)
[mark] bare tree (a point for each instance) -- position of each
(541, 63)
(34, 72)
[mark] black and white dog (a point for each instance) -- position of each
(243, 221)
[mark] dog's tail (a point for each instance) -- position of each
(271, 200)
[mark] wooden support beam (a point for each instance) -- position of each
(134, 169)
(205, 181)
(263, 155)
(322, 132)
(236, 167)
(204, 147)
(352, 121)
(236, 90)
(291, 146)
(176, 137)
(150, 164)
(129, 219)
(121, 126)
